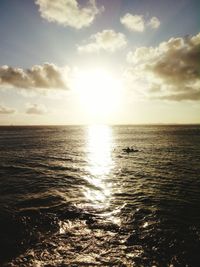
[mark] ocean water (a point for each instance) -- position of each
(70, 196)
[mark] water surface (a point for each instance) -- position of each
(69, 196)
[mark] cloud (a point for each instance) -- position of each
(133, 22)
(107, 40)
(47, 76)
(154, 23)
(68, 12)
(6, 110)
(35, 109)
(137, 23)
(190, 95)
(171, 70)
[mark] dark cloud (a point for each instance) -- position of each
(47, 76)
(186, 95)
(178, 64)
(172, 69)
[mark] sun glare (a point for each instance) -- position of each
(100, 164)
(99, 92)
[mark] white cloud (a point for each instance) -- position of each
(133, 22)
(69, 12)
(137, 23)
(47, 76)
(170, 71)
(36, 109)
(6, 110)
(107, 40)
(154, 23)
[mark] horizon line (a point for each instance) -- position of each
(90, 124)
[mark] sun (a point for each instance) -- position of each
(99, 92)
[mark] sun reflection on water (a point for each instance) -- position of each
(100, 164)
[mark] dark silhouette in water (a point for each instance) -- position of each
(130, 150)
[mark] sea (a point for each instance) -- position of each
(72, 196)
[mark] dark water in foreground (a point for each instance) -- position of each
(69, 196)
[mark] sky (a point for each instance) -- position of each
(89, 62)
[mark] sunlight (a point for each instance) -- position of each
(100, 146)
(99, 165)
(99, 91)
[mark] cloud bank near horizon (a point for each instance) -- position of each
(35, 109)
(4, 110)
